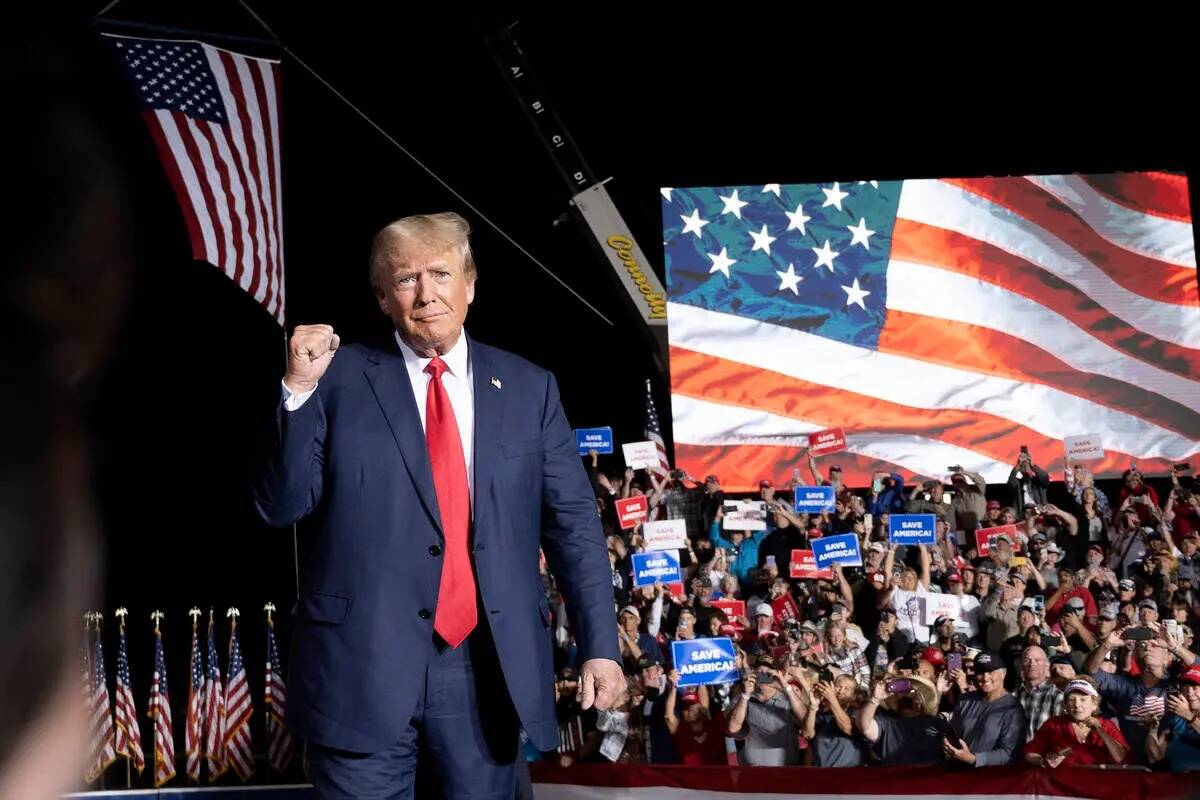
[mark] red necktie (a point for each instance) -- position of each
(456, 613)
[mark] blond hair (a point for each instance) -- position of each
(437, 232)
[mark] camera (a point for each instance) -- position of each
(899, 686)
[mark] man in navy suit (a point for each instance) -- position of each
(435, 467)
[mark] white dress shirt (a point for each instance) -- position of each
(457, 381)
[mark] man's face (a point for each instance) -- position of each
(1154, 659)
(1035, 667)
(650, 676)
(1147, 615)
(990, 681)
(426, 295)
(1026, 619)
(767, 493)
(1066, 580)
(1188, 546)
(736, 538)
(935, 493)
(1008, 517)
(1106, 626)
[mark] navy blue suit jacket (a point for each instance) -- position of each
(354, 457)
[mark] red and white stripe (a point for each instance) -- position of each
(1020, 311)
(1018, 782)
(238, 709)
(279, 740)
(164, 734)
(103, 749)
(194, 724)
(227, 176)
(128, 733)
(214, 722)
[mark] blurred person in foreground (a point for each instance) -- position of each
(63, 291)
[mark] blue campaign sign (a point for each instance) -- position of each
(912, 529)
(660, 566)
(841, 549)
(704, 661)
(813, 499)
(598, 439)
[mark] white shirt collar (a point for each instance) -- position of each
(456, 358)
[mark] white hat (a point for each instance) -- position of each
(631, 610)
(764, 610)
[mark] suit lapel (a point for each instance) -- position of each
(388, 377)
(488, 385)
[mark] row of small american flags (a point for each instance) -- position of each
(217, 731)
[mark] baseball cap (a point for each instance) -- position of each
(987, 662)
(993, 504)
(689, 699)
(953, 577)
(809, 626)
(1110, 611)
(1097, 548)
(887, 612)
(645, 660)
(837, 608)
(987, 568)
(765, 484)
(1148, 603)
(1016, 576)
(1061, 658)
(631, 610)
(1004, 537)
(1126, 585)
(765, 660)
(942, 619)
(1054, 549)
(711, 478)
(877, 547)
(732, 631)
(1191, 675)
(764, 610)
(930, 484)
(1076, 604)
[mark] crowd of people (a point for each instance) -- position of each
(1070, 642)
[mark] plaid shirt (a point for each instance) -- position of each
(1040, 705)
(850, 660)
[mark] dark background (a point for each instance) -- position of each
(700, 97)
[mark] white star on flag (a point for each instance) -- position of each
(825, 256)
(861, 234)
(873, 183)
(733, 205)
(721, 262)
(789, 279)
(693, 224)
(771, 187)
(797, 218)
(855, 295)
(666, 193)
(834, 196)
(762, 240)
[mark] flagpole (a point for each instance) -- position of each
(120, 614)
(97, 616)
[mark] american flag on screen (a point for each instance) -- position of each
(279, 741)
(654, 434)
(160, 714)
(940, 322)
(128, 732)
(238, 709)
(194, 731)
(214, 118)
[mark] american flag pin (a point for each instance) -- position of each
(497, 384)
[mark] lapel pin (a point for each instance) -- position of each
(497, 384)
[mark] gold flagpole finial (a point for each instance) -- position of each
(269, 607)
(120, 614)
(156, 615)
(194, 613)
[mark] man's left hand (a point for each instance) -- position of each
(961, 753)
(601, 682)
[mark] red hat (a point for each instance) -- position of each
(689, 699)
(1097, 548)
(935, 656)
(1192, 675)
(732, 631)
(765, 484)
(953, 577)
(993, 504)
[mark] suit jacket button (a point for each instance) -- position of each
(424, 613)
(435, 550)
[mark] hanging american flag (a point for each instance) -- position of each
(214, 708)
(279, 741)
(654, 434)
(194, 731)
(102, 750)
(160, 715)
(238, 709)
(128, 732)
(214, 118)
(938, 321)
